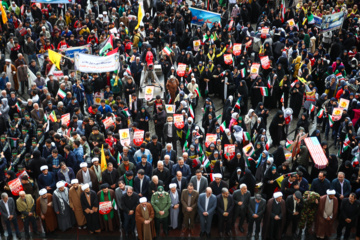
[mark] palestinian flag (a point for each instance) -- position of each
(197, 91)
(345, 144)
(125, 111)
(118, 158)
(331, 121)
(107, 46)
(18, 108)
(223, 126)
(128, 70)
(112, 52)
(293, 83)
(191, 112)
(206, 164)
(61, 93)
(288, 143)
(246, 136)
(311, 108)
(282, 98)
(310, 19)
(267, 145)
(205, 37)
(167, 50)
(201, 158)
(45, 117)
(52, 116)
(320, 113)
(243, 72)
(237, 105)
(264, 91)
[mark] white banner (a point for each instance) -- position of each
(95, 64)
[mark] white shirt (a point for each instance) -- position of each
(198, 185)
(294, 205)
(207, 202)
(7, 207)
(342, 187)
(141, 183)
(179, 182)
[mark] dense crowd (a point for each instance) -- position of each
(80, 173)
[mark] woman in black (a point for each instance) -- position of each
(296, 99)
(277, 127)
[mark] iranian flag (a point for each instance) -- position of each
(264, 91)
(223, 126)
(283, 10)
(267, 145)
(185, 147)
(61, 93)
(18, 108)
(52, 116)
(108, 46)
(282, 98)
(128, 70)
(191, 111)
(167, 50)
(197, 91)
(246, 137)
(288, 143)
(293, 83)
(237, 105)
(243, 72)
(222, 74)
(339, 77)
(268, 83)
(199, 148)
(320, 113)
(331, 121)
(355, 162)
(311, 108)
(118, 158)
(346, 144)
(187, 134)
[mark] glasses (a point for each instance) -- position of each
(129, 192)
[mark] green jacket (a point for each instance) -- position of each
(161, 204)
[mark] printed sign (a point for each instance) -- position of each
(179, 121)
(210, 138)
(124, 137)
(96, 64)
(105, 207)
(15, 186)
(138, 137)
(248, 150)
(337, 113)
(170, 108)
(344, 103)
(229, 151)
(149, 93)
(108, 122)
(65, 119)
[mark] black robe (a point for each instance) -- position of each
(296, 100)
(277, 132)
(255, 93)
(92, 220)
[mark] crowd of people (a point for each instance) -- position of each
(79, 173)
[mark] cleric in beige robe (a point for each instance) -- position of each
(75, 203)
(144, 217)
(45, 210)
(108, 222)
(326, 214)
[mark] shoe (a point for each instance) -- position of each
(37, 233)
(241, 229)
(9, 237)
(18, 236)
(202, 234)
(249, 235)
(79, 228)
(84, 227)
(229, 233)
(256, 236)
(184, 230)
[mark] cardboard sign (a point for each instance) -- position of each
(97, 97)
(15, 186)
(108, 122)
(237, 49)
(181, 69)
(170, 108)
(196, 45)
(337, 113)
(228, 59)
(124, 137)
(265, 62)
(105, 207)
(210, 138)
(229, 151)
(248, 150)
(344, 103)
(254, 70)
(65, 119)
(179, 121)
(264, 31)
(316, 152)
(149, 93)
(138, 137)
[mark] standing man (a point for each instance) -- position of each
(141, 183)
(341, 186)
(119, 192)
(26, 206)
(218, 184)
(199, 182)
(189, 199)
(44, 209)
(64, 213)
(349, 211)
(294, 206)
(311, 201)
(169, 132)
(161, 203)
(144, 217)
(90, 206)
(241, 198)
(75, 203)
(129, 201)
(274, 220)
(207, 206)
(326, 214)
(225, 205)
(8, 214)
(257, 206)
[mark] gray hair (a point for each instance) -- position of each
(4, 195)
(224, 190)
(242, 185)
(160, 163)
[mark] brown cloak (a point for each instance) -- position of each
(111, 224)
(324, 227)
(50, 216)
(13, 69)
(266, 222)
(75, 204)
(95, 183)
(139, 218)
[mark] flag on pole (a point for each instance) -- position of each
(320, 113)
(282, 98)
(55, 58)
(128, 70)
(140, 16)
(118, 158)
(125, 111)
(331, 121)
(267, 145)
(103, 159)
(167, 50)
(283, 10)
(223, 126)
(18, 108)
(237, 105)
(61, 93)
(288, 143)
(206, 165)
(264, 91)
(52, 116)
(311, 108)
(3, 14)
(185, 147)
(243, 72)
(246, 136)
(293, 83)
(108, 46)
(191, 111)
(345, 144)
(197, 91)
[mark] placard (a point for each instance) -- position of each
(149, 93)
(210, 138)
(265, 62)
(196, 45)
(237, 49)
(65, 119)
(98, 96)
(138, 137)
(344, 103)
(124, 137)
(248, 150)
(108, 122)
(105, 207)
(170, 108)
(337, 113)
(15, 186)
(228, 59)
(264, 32)
(179, 121)
(181, 69)
(229, 151)
(254, 70)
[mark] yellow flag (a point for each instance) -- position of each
(103, 159)
(140, 16)
(3, 14)
(116, 80)
(302, 80)
(55, 58)
(279, 180)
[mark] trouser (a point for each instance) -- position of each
(347, 226)
(81, 104)
(129, 222)
(251, 224)
(294, 219)
(27, 221)
(23, 84)
(189, 219)
(8, 226)
(164, 222)
(31, 57)
(239, 211)
(224, 221)
(205, 222)
(89, 99)
(274, 228)
(152, 75)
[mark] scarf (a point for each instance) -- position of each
(61, 200)
(211, 57)
(127, 182)
(97, 170)
(102, 200)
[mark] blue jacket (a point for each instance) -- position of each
(211, 205)
(320, 187)
(186, 172)
(335, 184)
(3, 82)
(304, 185)
(79, 92)
(107, 109)
(48, 180)
(61, 176)
(70, 161)
(79, 153)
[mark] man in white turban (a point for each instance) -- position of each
(274, 219)
(326, 214)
